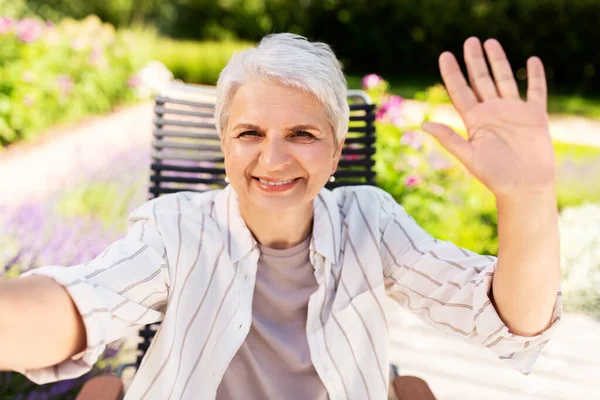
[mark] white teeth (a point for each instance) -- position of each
(276, 183)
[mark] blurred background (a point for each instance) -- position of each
(76, 111)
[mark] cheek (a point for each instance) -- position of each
(238, 158)
(317, 159)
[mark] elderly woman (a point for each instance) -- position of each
(274, 287)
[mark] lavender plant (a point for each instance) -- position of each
(69, 228)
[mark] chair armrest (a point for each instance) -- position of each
(105, 387)
(412, 388)
(123, 367)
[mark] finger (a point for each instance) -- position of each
(537, 91)
(460, 93)
(451, 141)
(503, 75)
(479, 74)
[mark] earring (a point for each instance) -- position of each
(332, 178)
(226, 179)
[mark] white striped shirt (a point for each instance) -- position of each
(190, 261)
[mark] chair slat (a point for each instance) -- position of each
(181, 168)
(161, 155)
(161, 110)
(362, 151)
(159, 144)
(190, 124)
(159, 132)
(365, 129)
(163, 100)
(179, 179)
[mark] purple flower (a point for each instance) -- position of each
(62, 387)
(65, 84)
(371, 81)
(29, 30)
(6, 24)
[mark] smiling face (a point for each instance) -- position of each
(279, 148)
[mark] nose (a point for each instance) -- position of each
(274, 155)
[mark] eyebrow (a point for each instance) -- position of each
(300, 127)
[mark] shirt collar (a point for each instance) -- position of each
(327, 226)
(236, 235)
(239, 241)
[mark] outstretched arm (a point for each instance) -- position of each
(510, 151)
(39, 324)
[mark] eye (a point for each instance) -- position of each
(248, 133)
(304, 134)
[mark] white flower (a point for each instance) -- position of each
(580, 257)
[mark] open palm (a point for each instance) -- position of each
(509, 148)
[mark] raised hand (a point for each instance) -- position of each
(509, 148)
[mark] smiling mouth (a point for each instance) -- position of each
(276, 183)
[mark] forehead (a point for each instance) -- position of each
(260, 101)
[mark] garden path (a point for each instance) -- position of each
(568, 368)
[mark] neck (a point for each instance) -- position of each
(279, 230)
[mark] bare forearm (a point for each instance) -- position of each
(528, 273)
(39, 324)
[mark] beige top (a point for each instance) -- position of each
(274, 361)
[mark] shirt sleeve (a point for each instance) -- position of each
(449, 288)
(125, 286)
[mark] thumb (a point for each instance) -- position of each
(450, 140)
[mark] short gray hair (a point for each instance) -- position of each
(292, 61)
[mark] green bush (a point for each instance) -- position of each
(440, 193)
(195, 62)
(59, 73)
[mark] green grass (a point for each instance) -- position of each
(559, 102)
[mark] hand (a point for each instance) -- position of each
(509, 148)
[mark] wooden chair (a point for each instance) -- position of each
(187, 157)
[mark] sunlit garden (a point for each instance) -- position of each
(59, 68)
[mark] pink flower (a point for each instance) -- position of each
(437, 190)
(391, 108)
(412, 139)
(371, 81)
(28, 77)
(78, 44)
(6, 24)
(29, 30)
(412, 161)
(398, 121)
(97, 58)
(134, 82)
(413, 180)
(28, 100)
(440, 163)
(65, 84)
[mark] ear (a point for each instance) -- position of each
(222, 142)
(337, 155)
